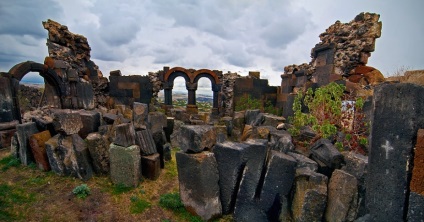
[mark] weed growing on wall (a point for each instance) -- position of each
(328, 115)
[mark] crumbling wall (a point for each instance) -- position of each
(73, 52)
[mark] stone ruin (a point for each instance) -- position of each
(242, 163)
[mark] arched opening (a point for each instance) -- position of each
(31, 92)
(204, 95)
(179, 93)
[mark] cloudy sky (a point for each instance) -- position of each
(138, 36)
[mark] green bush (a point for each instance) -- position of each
(81, 191)
(138, 205)
(246, 102)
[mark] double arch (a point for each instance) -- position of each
(191, 77)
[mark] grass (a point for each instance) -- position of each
(9, 162)
(11, 196)
(138, 205)
(172, 201)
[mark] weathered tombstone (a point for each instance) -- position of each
(198, 177)
(150, 166)
(68, 155)
(125, 165)
(124, 135)
(398, 112)
(342, 204)
(197, 138)
(277, 184)
(67, 122)
(37, 142)
(98, 146)
(140, 112)
(310, 196)
(23, 132)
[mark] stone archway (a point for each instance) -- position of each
(191, 77)
(53, 83)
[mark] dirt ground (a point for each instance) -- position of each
(45, 196)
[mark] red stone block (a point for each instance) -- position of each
(37, 142)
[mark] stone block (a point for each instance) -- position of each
(90, 122)
(272, 120)
(357, 165)
(416, 207)
(8, 125)
(140, 113)
(157, 121)
(37, 142)
(85, 95)
(67, 122)
(396, 120)
(14, 146)
(150, 166)
(144, 140)
(342, 203)
(160, 141)
(277, 184)
(325, 152)
(23, 132)
(169, 129)
(238, 120)
(124, 135)
(69, 156)
(310, 196)
(197, 138)
(281, 140)
(167, 153)
(416, 196)
(6, 137)
(254, 117)
(125, 165)
(45, 123)
(98, 146)
(198, 178)
(304, 162)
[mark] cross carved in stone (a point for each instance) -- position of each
(387, 148)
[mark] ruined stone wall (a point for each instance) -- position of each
(73, 52)
(227, 93)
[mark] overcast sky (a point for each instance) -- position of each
(138, 36)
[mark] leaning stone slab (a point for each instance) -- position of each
(68, 156)
(140, 113)
(304, 162)
(150, 166)
(23, 132)
(197, 138)
(310, 196)
(325, 152)
(37, 142)
(125, 165)
(144, 139)
(98, 146)
(396, 120)
(281, 140)
(198, 177)
(254, 117)
(277, 184)
(67, 122)
(342, 202)
(124, 135)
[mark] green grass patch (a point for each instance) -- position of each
(9, 162)
(81, 191)
(120, 189)
(10, 197)
(138, 205)
(172, 201)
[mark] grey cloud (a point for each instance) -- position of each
(24, 17)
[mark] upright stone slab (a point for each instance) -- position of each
(157, 121)
(310, 196)
(342, 202)
(198, 177)
(37, 142)
(416, 196)
(90, 122)
(67, 121)
(125, 165)
(23, 132)
(150, 166)
(246, 208)
(124, 135)
(196, 138)
(140, 113)
(277, 184)
(144, 139)
(14, 146)
(398, 112)
(98, 146)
